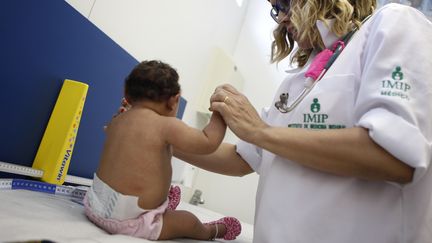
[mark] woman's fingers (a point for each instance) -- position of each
(220, 107)
(236, 110)
(223, 93)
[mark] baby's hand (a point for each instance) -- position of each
(125, 106)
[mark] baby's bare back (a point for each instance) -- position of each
(136, 159)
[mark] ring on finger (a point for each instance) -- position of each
(226, 98)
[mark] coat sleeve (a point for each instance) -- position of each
(395, 88)
(251, 153)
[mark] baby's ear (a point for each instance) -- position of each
(173, 101)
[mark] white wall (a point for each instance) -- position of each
(183, 34)
(178, 32)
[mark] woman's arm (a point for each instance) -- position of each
(346, 152)
(224, 160)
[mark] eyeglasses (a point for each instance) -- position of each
(278, 7)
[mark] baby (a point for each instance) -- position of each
(131, 191)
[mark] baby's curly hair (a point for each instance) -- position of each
(153, 81)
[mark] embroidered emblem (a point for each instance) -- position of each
(315, 106)
(397, 86)
(397, 74)
(315, 119)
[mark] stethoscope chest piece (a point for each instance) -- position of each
(282, 104)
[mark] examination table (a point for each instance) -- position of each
(34, 216)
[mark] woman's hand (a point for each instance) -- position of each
(238, 113)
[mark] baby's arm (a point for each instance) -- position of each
(215, 130)
(192, 140)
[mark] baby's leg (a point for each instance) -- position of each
(183, 224)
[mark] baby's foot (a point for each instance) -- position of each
(232, 226)
(174, 197)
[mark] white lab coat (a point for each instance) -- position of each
(382, 81)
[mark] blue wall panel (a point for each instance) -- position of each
(41, 44)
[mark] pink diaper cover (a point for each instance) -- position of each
(148, 225)
(119, 214)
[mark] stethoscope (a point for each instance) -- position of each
(319, 66)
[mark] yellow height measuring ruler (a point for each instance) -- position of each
(55, 150)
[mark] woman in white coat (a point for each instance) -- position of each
(350, 162)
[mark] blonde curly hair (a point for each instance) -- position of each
(304, 14)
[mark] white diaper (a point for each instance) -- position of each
(108, 203)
